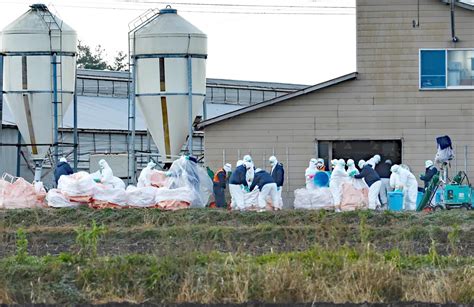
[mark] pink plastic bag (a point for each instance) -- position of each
(78, 187)
(158, 179)
(20, 194)
(353, 198)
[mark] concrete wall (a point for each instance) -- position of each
(384, 103)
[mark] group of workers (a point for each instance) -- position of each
(246, 178)
(380, 178)
(104, 175)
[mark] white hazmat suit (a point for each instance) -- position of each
(274, 162)
(338, 177)
(409, 185)
(106, 174)
(251, 170)
(310, 173)
(374, 161)
(144, 180)
(237, 192)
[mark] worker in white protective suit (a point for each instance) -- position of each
(264, 182)
(372, 179)
(333, 163)
(106, 174)
(351, 172)
(278, 174)
(374, 161)
(351, 168)
(144, 180)
(251, 171)
(338, 177)
(320, 165)
(408, 185)
(237, 185)
(310, 173)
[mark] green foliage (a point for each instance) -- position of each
(21, 246)
(454, 238)
(95, 59)
(87, 239)
(363, 229)
(120, 62)
(88, 59)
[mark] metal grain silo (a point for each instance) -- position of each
(39, 76)
(168, 62)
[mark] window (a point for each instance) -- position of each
(433, 69)
(447, 69)
(460, 68)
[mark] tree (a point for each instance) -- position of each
(90, 60)
(120, 62)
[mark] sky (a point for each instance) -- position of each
(289, 41)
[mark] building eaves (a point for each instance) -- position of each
(273, 101)
(466, 4)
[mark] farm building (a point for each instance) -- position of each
(414, 82)
(102, 120)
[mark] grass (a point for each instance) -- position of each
(210, 256)
(317, 274)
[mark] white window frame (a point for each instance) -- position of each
(447, 88)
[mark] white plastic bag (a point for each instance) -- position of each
(78, 187)
(105, 196)
(141, 197)
(173, 199)
(185, 173)
(56, 199)
(315, 199)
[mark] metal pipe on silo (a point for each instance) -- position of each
(18, 155)
(55, 109)
(190, 103)
(75, 134)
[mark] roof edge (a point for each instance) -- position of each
(273, 101)
(464, 5)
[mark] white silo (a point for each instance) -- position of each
(169, 71)
(39, 76)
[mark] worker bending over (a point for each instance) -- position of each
(63, 168)
(278, 174)
(237, 182)
(383, 169)
(430, 171)
(264, 182)
(372, 179)
(219, 184)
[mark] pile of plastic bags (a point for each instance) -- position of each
(344, 193)
(185, 185)
(17, 193)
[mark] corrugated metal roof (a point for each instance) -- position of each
(124, 75)
(283, 98)
(111, 114)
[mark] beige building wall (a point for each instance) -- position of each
(383, 103)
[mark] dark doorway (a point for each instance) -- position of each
(357, 150)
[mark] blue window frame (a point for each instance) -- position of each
(432, 69)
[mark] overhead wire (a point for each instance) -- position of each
(223, 8)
